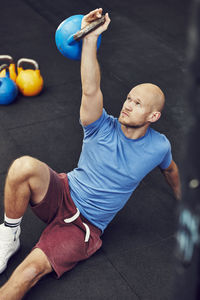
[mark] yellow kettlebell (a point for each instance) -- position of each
(11, 68)
(29, 81)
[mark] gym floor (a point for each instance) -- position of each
(146, 42)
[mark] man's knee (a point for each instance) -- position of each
(35, 269)
(22, 168)
(33, 272)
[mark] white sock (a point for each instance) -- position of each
(12, 223)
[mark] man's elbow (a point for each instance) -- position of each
(172, 168)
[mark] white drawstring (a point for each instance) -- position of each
(73, 218)
(87, 234)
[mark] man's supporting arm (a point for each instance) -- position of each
(92, 98)
(172, 177)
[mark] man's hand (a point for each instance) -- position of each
(92, 16)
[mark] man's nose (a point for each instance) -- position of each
(128, 106)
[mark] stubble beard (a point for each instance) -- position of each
(133, 126)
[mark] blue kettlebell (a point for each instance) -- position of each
(8, 88)
(69, 33)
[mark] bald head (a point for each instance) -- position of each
(151, 94)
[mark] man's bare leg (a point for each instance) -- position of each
(28, 178)
(27, 274)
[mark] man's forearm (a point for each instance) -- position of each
(90, 71)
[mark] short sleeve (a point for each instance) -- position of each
(167, 157)
(90, 129)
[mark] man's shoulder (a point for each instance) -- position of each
(109, 120)
(109, 116)
(101, 126)
(159, 138)
(161, 148)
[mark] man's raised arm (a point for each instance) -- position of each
(92, 98)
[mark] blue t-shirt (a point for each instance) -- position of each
(111, 166)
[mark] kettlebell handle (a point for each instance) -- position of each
(4, 66)
(27, 60)
(7, 57)
(89, 28)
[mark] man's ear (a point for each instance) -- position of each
(154, 116)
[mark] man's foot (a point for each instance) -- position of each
(9, 244)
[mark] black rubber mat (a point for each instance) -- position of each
(146, 42)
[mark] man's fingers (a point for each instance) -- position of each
(107, 18)
(107, 21)
(95, 14)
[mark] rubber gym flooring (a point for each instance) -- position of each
(146, 42)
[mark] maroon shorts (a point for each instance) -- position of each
(69, 237)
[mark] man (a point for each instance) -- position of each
(77, 207)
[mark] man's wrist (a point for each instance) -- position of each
(90, 38)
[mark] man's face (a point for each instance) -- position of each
(137, 108)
